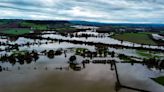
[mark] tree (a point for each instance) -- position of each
(72, 58)
(0, 68)
(121, 41)
(51, 54)
(35, 55)
(112, 54)
(58, 52)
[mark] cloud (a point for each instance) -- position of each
(133, 11)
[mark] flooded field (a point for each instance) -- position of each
(50, 61)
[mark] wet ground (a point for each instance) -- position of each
(55, 74)
(94, 78)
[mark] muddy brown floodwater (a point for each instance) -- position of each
(94, 78)
(54, 74)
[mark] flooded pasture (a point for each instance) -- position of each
(56, 63)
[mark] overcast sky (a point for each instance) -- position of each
(113, 11)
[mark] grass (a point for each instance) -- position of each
(140, 38)
(159, 80)
(16, 31)
(40, 27)
(125, 59)
(147, 54)
(2, 22)
(80, 50)
(56, 27)
(162, 32)
(34, 26)
(144, 53)
(19, 53)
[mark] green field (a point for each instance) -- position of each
(162, 32)
(57, 27)
(159, 80)
(34, 26)
(140, 38)
(16, 31)
(148, 54)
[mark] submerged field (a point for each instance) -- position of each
(92, 79)
(140, 38)
(72, 62)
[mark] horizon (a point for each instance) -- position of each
(137, 23)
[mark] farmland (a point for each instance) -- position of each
(140, 38)
(16, 31)
(78, 53)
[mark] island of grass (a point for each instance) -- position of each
(80, 51)
(16, 31)
(19, 53)
(159, 80)
(140, 38)
(162, 32)
(144, 53)
(147, 54)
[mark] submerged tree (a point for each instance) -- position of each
(35, 55)
(74, 66)
(72, 59)
(58, 52)
(112, 54)
(50, 54)
(0, 69)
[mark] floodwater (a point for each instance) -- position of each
(55, 74)
(106, 39)
(91, 79)
(139, 77)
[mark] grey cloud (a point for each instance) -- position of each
(95, 10)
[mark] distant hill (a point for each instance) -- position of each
(115, 24)
(4, 22)
(47, 21)
(7, 21)
(87, 23)
(138, 25)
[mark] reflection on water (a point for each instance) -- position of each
(103, 38)
(64, 66)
